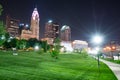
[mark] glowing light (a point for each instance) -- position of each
(97, 39)
(22, 24)
(53, 49)
(97, 48)
(11, 37)
(26, 25)
(108, 48)
(36, 47)
(113, 47)
(3, 37)
(50, 21)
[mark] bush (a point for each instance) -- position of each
(54, 53)
(84, 52)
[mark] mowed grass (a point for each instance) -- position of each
(34, 66)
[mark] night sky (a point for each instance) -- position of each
(85, 17)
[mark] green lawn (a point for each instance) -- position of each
(34, 66)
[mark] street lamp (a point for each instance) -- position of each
(97, 40)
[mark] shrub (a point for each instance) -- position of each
(54, 53)
(84, 52)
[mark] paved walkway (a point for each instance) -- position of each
(114, 67)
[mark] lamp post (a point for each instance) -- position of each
(97, 50)
(97, 41)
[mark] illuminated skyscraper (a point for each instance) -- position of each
(34, 28)
(51, 30)
(12, 26)
(65, 33)
(35, 23)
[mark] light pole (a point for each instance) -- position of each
(97, 53)
(97, 41)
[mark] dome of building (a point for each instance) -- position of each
(65, 27)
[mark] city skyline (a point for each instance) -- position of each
(84, 17)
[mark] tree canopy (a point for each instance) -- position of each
(1, 9)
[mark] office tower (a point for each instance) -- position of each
(12, 27)
(65, 33)
(51, 30)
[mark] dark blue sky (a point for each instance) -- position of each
(85, 17)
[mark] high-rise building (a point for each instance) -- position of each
(12, 26)
(65, 33)
(51, 30)
(34, 28)
(35, 23)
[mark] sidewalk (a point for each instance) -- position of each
(114, 67)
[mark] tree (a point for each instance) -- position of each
(56, 48)
(13, 43)
(21, 44)
(44, 45)
(32, 42)
(2, 28)
(84, 52)
(1, 9)
(57, 44)
(6, 45)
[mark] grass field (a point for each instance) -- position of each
(34, 66)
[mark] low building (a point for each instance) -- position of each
(66, 46)
(79, 45)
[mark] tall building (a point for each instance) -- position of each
(34, 28)
(35, 23)
(65, 33)
(51, 30)
(12, 27)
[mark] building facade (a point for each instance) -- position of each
(12, 27)
(34, 28)
(51, 31)
(79, 44)
(65, 33)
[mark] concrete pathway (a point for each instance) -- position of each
(114, 67)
